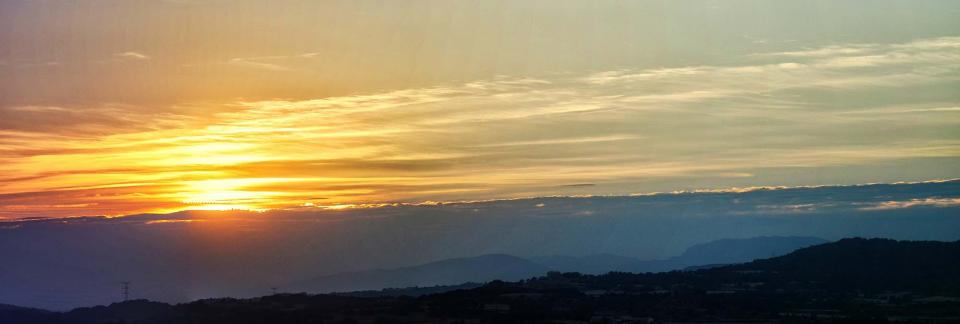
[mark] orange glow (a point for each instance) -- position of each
(166, 221)
(618, 131)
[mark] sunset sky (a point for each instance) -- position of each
(123, 107)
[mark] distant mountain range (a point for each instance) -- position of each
(718, 252)
(61, 264)
(490, 267)
(851, 280)
(446, 272)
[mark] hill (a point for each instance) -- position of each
(490, 267)
(727, 251)
(17, 314)
(869, 264)
(719, 252)
(851, 280)
(482, 268)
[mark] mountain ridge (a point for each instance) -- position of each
(452, 271)
(488, 267)
(797, 287)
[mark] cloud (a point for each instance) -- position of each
(82, 120)
(924, 202)
(29, 63)
(905, 110)
(826, 51)
(38, 109)
(279, 63)
(633, 130)
(133, 55)
(259, 65)
(940, 43)
(788, 209)
(630, 76)
(169, 221)
(563, 141)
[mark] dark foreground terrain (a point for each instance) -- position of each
(852, 280)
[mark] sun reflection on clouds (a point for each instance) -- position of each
(169, 221)
(229, 194)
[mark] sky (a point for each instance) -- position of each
(123, 107)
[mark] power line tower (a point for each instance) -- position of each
(273, 290)
(125, 290)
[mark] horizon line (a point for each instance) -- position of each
(428, 203)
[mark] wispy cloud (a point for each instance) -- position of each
(278, 63)
(925, 202)
(625, 130)
(563, 141)
(133, 55)
(259, 65)
(905, 110)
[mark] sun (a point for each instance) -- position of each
(229, 194)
